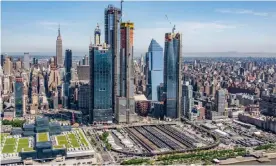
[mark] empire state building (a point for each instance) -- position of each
(59, 49)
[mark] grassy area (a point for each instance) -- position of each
(8, 149)
(42, 137)
(266, 147)
(58, 146)
(62, 140)
(10, 141)
(74, 142)
(22, 143)
(82, 138)
(135, 161)
(27, 149)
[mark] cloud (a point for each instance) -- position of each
(194, 33)
(243, 11)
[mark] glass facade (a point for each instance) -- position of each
(101, 85)
(18, 97)
(154, 62)
(68, 65)
(172, 74)
(187, 100)
(112, 18)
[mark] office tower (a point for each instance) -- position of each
(18, 95)
(68, 65)
(154, 67)
(220, 100)
(100, 102)
(187, 100)
(83, 98)
(26, 61)
(112, 17)
(125, 107)
(59, 49)
(126, 59)
(172, 74)
(2, 60)
(8, 66)
(85, 60)
(97, 35)
(83, 72)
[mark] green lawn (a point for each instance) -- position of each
(62, 140)
(8, 148)
(10, 141)
(27, 149)
(42, 137)
(22, 143)
(74, 142)
(58, 146)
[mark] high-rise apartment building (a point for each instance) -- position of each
(220, 100)
(112, 18)
(172, 74)
(154, 67)
(59, 49)
(187, 100)
(8, 67)
(97, 35)
(26, 61)
(18, 95)
(101, 82)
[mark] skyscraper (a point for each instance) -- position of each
(112, 18)
(97, 35)
(18, 95)
(26, 61)
(126, 59)
(101, 82)
(59, 49)
(220, 100)
(154, 67)
(124, 112)
(172, 74)
(187, 100)
(68, 65)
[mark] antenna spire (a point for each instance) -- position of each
(58, 29)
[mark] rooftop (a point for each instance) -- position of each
(42, 137)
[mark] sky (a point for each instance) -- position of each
(206, 26)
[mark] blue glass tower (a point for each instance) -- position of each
(18, 96)
(172, 74)
(100, 102)
(68, 65)
(154, 63)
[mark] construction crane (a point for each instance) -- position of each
(173, 29)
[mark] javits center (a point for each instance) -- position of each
(43, 141)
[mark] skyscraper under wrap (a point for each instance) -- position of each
(112, 18)
(154, 67)
(124, 110)
(100, 102)
(172, 74)
(59, 49)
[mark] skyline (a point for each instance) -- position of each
(206, 26)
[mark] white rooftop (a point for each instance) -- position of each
(140, 97)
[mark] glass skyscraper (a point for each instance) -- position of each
(187, 100)
(112, 17)
(172, 74)
(154, 64)
(68, 65)
(18, 95)
(100, 102)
